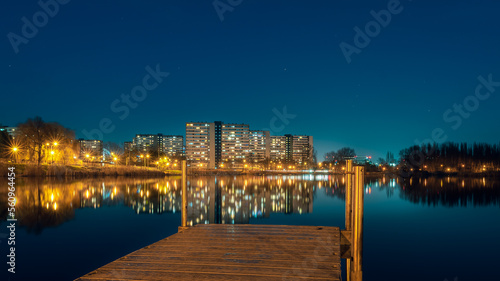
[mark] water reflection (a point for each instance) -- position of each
(46, 203)
(452, 191)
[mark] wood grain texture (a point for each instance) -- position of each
(233, 252)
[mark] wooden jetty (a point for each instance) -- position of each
(249, 252)
(233, 252)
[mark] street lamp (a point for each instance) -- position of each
(52, 149)
(14, 149)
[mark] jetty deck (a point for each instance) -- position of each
(233, 252)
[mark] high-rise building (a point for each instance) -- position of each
(302, 149)
(147, 143)
(215, 145)
(161, 144)
(234, 144)
(278, 148)
(90, 147)
(259, 145)
(128, 146)
(200, 144)
(173, 145)
(289, 148)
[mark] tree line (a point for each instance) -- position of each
(452, 156)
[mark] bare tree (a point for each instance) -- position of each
(31, 135)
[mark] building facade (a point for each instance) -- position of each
(259, 145)
(200, 144)
(173, 145)
(11, 131)
(277, 148)
(218, 145)
(128, 146)
(302, 149)
(147, 143)
(234, 144)
(90, 148)
(169, 145)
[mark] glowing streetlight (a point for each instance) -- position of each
(14, 149)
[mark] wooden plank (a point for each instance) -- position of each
(233, 252)
(117, 275)
(216, 259)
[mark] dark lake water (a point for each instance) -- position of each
(422, 229)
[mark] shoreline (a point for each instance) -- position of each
(79, 171)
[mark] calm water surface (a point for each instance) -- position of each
(423, 229)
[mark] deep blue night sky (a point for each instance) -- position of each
(263, 55)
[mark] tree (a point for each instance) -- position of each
(32, 136)
(66, 147)
(43, 140)
(381, 161)
(5, 143)
(340, 155)
(330, 156)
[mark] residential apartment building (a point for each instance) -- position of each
(147, 143)
(302, 149)
(277, 148)
(169, 145)
(128, 146)
(259, 145)
(234, 143)
(12, 131)
(216, 145)
(90, 147)
(200, 144)
(173, 145)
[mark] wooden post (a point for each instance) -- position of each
(357, 227)
(348, 195)
(348, 210)
(184, 195)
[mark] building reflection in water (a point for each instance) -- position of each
(226, 199)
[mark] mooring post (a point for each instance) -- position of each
(348, 211)
(184, 195)
(357, 227)
(348, 195)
